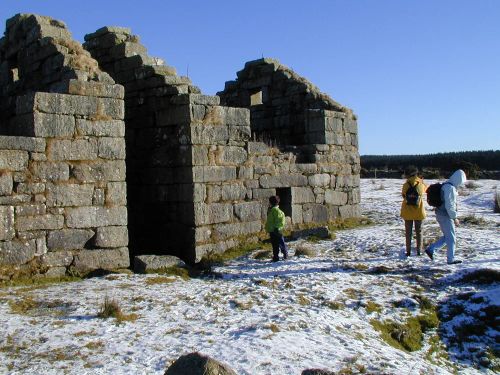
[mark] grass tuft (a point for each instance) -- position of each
(111, 309)
(305, 249)
(160, 280)
(473, 220)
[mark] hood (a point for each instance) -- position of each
(413, 180)
(457, 178)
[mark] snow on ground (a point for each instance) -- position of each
(279, 318)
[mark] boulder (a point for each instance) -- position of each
(198, 364)
(317, 372)
(320, 232)
(155, 263)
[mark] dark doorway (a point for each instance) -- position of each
(285, 195)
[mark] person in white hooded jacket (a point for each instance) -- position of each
(446, 216)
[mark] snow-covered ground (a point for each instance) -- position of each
(280, 318)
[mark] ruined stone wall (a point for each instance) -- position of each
(279, 100)
(183, 154)
(62, 178)
(290, 113)
(196, 183)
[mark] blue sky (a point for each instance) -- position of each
(423, 76)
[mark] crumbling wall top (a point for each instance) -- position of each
(270, 72)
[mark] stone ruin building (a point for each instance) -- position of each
(106, 153)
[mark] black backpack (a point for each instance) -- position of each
(412, 196)
(434, 194)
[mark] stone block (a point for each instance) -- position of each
(245, 173)
(116, 34)
(55, 272)
(7, 229)
(337, 198)
(111, 237)
(319, 232)
(111, 148)
(248, 211)
(307, 168)
(199, 155)
(13, 160)
(91, 217)
(38, 124)
(95, 89)
(113, 170)
(258, 148)
(263, 193)
(212, 213)
(233, 192)
(100, 259)
(15, 199)
(30, 188)
(213, 174)
(232, 155)
(57, 258)
(6, 183)
(283, 181)
(50, 171)
(348, 211)
(319, 179)
(214, 193)
(22, 143)
(101, 128)
(156, 263)
(31, 210)
(206, 135)
(355, 196)
(319, 213)
(236, 116)
(79, 149)
(302, 195)
(102, 108)
(351, 125)
(263, 161)
(202, 234)
(39, 222)
(224, 231)
(116, 193)
(13, 253)
(69, 239)
(239, 135)
(173, 116)
(67, 195)
(297, 214)
(98, 198)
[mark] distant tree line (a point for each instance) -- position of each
(475, 163)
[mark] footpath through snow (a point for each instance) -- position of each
(281, 318)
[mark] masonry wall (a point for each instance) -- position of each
(197, 184)
(62, 170)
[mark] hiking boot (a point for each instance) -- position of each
(275, 260)
(408, 253)
(418, 253)
(455, 262)
(429, 253)
(285, 256)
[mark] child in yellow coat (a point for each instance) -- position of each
(412, 207)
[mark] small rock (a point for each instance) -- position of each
(152, 263)
(198, 364)
(317, 372)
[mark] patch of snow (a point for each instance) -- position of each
(261, 317)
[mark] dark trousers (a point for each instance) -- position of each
(409, 234)
(278, 243)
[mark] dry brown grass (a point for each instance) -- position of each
(305, 249)
(111, 309)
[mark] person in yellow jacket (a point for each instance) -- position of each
(275, 224)
(412, 208)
